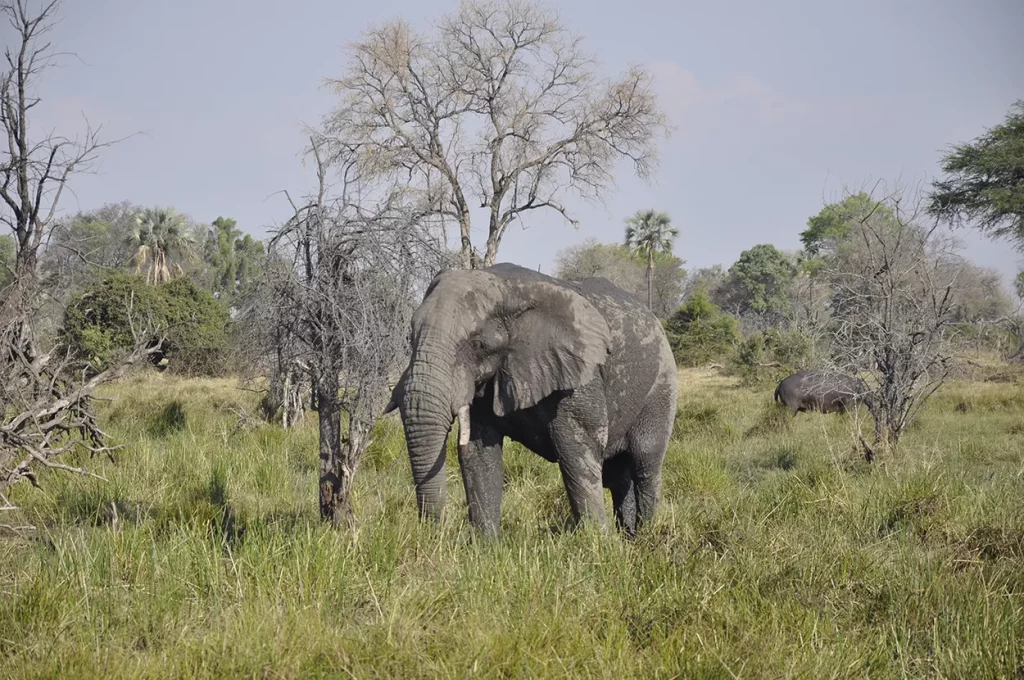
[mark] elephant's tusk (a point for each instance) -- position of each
(464, 425)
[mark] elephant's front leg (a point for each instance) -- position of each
(580, 442)
(482, 476)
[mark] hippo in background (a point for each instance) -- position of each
(828, 392)
(825, 391)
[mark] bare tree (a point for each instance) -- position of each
(894, 286)
(498, 107)
(344, 305)
(44, 406)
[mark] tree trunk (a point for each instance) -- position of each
(650, 280)
(1018, 330)
(334, 488)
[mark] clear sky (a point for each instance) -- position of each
(777, 104)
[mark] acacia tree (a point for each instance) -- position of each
(499, 106)
(984, 182)
(894, 285)
(649, 232)
(44, 410)
(343, 301)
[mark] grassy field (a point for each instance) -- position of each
(777, 553)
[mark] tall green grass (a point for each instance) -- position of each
(777, 552)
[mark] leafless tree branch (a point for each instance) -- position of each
(500, 105)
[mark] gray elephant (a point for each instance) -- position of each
(579, 372)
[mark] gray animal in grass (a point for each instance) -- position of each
(580, 372)
(825, 391)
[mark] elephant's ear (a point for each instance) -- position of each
(557, 342)
(398, 393)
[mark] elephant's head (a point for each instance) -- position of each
(514, 331)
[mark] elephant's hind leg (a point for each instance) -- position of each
(617, 476)
(647, 445)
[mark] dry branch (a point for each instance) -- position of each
(45, 398)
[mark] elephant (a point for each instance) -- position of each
(825, 391)
(579, 372)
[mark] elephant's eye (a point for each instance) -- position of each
(488, 339)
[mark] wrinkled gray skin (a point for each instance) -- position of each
(579, 372)
(825, 391)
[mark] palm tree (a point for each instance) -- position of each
(648, 232)
(158, 234)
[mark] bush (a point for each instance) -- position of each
(699, 332)
(771, 356)
(97, 327)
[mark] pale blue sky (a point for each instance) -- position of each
(777, 104)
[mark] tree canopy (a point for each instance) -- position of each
(649, 232)
(984, 182)
(499, 107)
(159, 236)
(759, 281)
(627, 271)
(99, 325)
(832, 224)
(699, 332)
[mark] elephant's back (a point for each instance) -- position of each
(640, 375)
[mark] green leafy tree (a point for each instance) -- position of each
(220, 254)
(700, 332)
(984, 182)
(250, 257)
(760, 281)
(710, 279)
(160, 234)
(97, 327)
(649, 232)
(832, 224)
(233, 259)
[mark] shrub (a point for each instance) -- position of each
(97, 326)
(771, 356)
(699, 332)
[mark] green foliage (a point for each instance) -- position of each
(1018, 284)
(220, 254)
(160, 236)
(699, 332)
(772, 355)
(760, 281)
(832, 224)
(98, 327)
(8, 254)
(649, 232)
(197, 342)
(984, 183)
(234, 258)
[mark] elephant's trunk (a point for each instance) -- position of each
(426, 435)
(433, 398)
